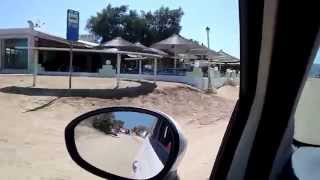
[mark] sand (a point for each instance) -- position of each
(229, 92)
(114, 154)
(33, 120)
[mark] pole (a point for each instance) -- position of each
(210, 78)
(208, 38)
(175, 61)
(118, 69)
(70, 65)
(155, 70)
(140, 69)
(35, 67)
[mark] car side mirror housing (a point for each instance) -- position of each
(126, 143)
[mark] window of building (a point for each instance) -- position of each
(15, 58)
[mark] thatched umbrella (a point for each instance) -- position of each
(202, 50)
(226, 58)
(121, 44)
(177, 44)
(151, 50)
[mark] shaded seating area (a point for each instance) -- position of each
(174, 56)
(178, 56)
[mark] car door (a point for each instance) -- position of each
(161, 140)
(154, 152)
(277, 47)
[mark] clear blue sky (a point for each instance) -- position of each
(220, 15)
(132, 119)
(317, 59)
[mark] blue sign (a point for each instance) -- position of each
(72, 25)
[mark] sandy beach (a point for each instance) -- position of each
(33, 120)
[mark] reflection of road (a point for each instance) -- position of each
(111, 154)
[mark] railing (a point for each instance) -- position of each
(198, 82)
(194, 78)
(167, 71)
(174, 72)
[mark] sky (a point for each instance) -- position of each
(220, 15)
(132, 119)
(317, 58)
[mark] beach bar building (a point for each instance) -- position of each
(30, 51)
(15, 57)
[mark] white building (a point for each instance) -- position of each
(18, 60)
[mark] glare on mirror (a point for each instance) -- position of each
(128, 144)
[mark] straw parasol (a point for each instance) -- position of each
(176, 44)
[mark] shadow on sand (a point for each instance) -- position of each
(117, 93)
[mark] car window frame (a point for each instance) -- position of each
(249, 42)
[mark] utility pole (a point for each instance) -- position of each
(210, 88)
(208, 38)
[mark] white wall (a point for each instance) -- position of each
(200, 83)
(197, 82)
(56, 73)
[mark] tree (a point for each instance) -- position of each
(163, 23)
(135, 27)
(146, 27)
(108, 23)
(104, 122)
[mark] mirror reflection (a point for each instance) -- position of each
(128, 144)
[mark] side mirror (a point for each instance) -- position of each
(125, 143)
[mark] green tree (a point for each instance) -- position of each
(146, 27)
(162, 23)
(108, 23)
(104, 122)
